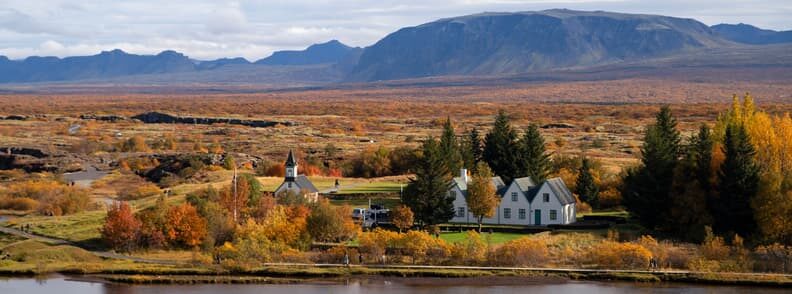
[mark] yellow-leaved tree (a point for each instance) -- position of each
(482, 199)
(771, 136)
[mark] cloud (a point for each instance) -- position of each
(205, 29)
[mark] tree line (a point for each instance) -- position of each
(735, 177)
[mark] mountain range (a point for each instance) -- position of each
(484, 44)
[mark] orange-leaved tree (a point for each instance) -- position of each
(184, 226)
(121, 228)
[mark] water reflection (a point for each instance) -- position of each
(63, 285)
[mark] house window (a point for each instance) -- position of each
(514, 196)
(546, 197)
(507, 213)
(452, 193)
(553, 214)
(521, 213)
(460, 212)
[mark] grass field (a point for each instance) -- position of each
(494, 238)
(80, 227)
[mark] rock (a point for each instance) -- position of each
(558, 126)
(160, 118)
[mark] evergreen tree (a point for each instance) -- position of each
(738, 184)
(534, 162)
(701, 155)
(449, 148)
(427, 193)
(471, 149)
(646, 189)
(692, 189)
(585, 186)
(501, 149)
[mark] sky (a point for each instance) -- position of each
(205, 29)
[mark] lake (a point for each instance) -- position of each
(65, 285)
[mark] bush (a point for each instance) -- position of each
(375, 243)
(470, 251)
(421, 246)
(615, 255)
(526, 251)
(336, 255)
(20, 204)
(328, 223)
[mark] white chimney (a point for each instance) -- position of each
(464, 174)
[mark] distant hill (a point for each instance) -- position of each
(502, 43)
(330, 52)
(106, 64)
(748, 34)
(213, 64)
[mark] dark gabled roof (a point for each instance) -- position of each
(496, 181)
(562, 192)
(305, 184)
(290, 160)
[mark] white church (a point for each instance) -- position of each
(297, 184)
(523, 202)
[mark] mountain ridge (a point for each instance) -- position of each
(482, 44)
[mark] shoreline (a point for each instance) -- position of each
(290, 274)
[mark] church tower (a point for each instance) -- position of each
(291, 167)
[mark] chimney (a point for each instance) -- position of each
(464, 174)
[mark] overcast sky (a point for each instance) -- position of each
(253, 29)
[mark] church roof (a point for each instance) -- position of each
(305, 184)
(290, 160)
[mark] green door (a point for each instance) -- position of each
(538, 217)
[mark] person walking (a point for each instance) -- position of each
(346, 259)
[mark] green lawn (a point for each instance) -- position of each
(372, 188)
(495, 238)
(80, 227)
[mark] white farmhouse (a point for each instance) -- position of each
(294, 183)
(523, 202)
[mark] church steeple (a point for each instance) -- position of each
(291, 167)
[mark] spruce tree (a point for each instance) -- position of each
(692, 189)
(738, 184)
(427, 193)
(501, 149)
(449, 148)
(470, 149)
(533, 160)
(701, 155)
(646, 189)
(585, 186)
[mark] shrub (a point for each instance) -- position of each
(615, 255)
(526, 251)
(375, 243)
(421, 246)
(470, 251)
(336, 255)
(20, 204)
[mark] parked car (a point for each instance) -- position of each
(358, 213)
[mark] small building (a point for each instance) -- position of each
(523, 202)
(296, 184)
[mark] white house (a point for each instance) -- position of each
(297, 184)
(523, 202)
